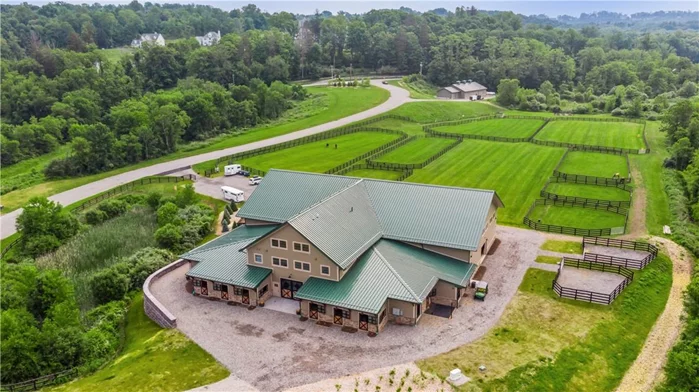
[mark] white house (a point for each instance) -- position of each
(153, 39)
(210, 38)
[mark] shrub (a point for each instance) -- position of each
(618, 112)
(167, 214)
(153, 199)
(95, 217)
(168, 236)
(109, 285)
(186, 196)
(145, 262)
(113, 207)
(581, 109)
(234, 207)
(132, 199)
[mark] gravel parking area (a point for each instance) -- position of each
(212, 186)
(273, 350)
(595, 281)
(616, 252)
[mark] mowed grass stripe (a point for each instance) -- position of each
(497, 127)
(516, 171)
(315, 156)
(377, 174)
(416, 151)
(408, 127)
(594, 164)
(433, 111)
(594, 133)
(582, 218)
(589, 191)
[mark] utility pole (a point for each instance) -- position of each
(351, 77)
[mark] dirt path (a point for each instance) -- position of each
(637, 223)
(646, 371)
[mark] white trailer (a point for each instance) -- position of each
(231, 170)
(230, 193)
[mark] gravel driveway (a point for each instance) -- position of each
(273, 350)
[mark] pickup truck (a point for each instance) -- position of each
(255, 180)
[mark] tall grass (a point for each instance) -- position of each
(100, 247)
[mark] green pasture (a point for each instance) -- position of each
(589, 191)
(546, 343)
(375, 174)
(329, 104)
(152, 359)
(562, 246)
(315, 156)
(594, 133)
(578, 217)
(115, 54)
(411, 128)
(416, 151)
(594, 164)
(505, 127)
(516, 171)
(434, 111)
(417, 90)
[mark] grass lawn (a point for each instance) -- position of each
(30, 171)
(316, 157)
(582, 218)
(589, 191)
(334, 104)
(594, 164)
(516, 171)
(408, 127)
(563, 246)
(657, 208)
(419, 90)
(429, 112)
(595, 133)
(548, 259)
(115, 54)
(153, 359)
(377, 174)
(498, 127)
(545, 343)
(416, 151)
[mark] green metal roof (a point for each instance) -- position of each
(225, 263)
(236, 235)
(389, 269)
(427, 214)
(343, 227)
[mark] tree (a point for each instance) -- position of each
(186, 196)
(682, 152)
(688, 89)
(168, 236)
(109, 285)
(169, 123)
(44, 225)
(167, 213)
(507, 92)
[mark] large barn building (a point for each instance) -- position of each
(463, 90)
(353, 252)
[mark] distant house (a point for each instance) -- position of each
(463, 90)
(153, 39)
(210, 38)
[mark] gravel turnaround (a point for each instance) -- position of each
(274, 351)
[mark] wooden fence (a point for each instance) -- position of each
(584, 200)
(41, 382)
(587, 180)
(367, 155)
(586, 295)
(411, 166)
(539, 226)
(616, 260)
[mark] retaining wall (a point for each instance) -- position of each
(153, 308)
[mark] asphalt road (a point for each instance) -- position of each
(397, 98)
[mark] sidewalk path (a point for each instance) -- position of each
(398, 97)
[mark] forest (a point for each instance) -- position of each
(59, 88)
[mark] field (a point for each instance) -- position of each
(411, 128)
(116, 54)
(153, 359)
(588, 191)
(545, 343)
(416, 151)
(418, 89)
(316, 157)
(376, 174)
(498, 127)
(594, 164)
(331, 104)
(516, 171)
(428, 112)
(596, 133)
(583, 218)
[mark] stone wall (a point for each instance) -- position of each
(153, 308)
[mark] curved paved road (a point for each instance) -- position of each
(398, 97)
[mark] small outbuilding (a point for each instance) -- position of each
(463, 90)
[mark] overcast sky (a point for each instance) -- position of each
(550, 8)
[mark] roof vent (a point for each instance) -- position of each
(351, 209)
